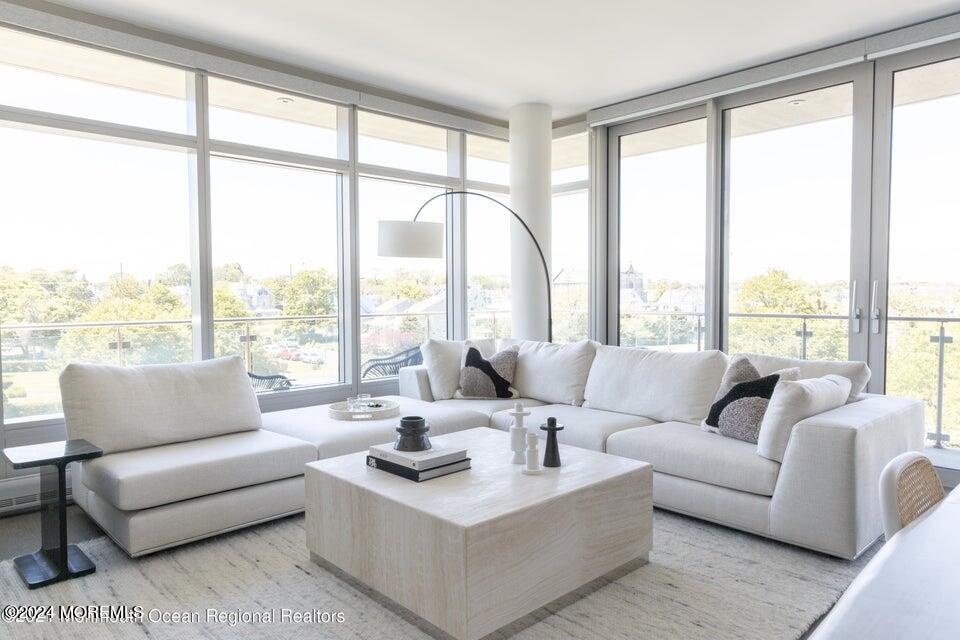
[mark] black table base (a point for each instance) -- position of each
(39, 570)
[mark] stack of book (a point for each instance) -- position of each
(418, 465)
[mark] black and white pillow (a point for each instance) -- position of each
(739, 413)
(493, 378)
(742, 399)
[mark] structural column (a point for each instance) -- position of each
(530, 142)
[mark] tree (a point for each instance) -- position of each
(310, 292)
(775, 292)
(176, 275)
(230, 272)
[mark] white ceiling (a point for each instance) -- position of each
(486, 56)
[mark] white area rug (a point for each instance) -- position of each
(703, 581)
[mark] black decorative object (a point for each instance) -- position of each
(551, 457)
(56, 560)
(413, 434)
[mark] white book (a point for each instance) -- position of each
(419, 460)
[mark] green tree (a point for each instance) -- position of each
(230, 272)
(176, 275)
(310, 292)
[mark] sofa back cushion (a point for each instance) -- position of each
(124, 408)
(858, 373)
(661, 385)
(552, 373)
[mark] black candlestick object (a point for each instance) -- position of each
(413, 434)
(551, 457)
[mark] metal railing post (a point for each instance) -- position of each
(942, 340)
(247, 347)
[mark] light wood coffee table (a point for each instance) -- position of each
(476, 550)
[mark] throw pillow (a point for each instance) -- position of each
(481, 378)
(793, 401)
(740, 369)
(442, 359)
(739, 413)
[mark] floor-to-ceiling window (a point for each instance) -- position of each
(789, 163)
(570, 241)
(274, 249)
(95, 255)
(152, 214)
(403, 301)
(923, 278)
(662, 263)
(487, 228)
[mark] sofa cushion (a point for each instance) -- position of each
(584, 428)
(857, 372)
(486, 406)
(131, 480)
(553, 373)
(793, 401)
(661, 385)
(686, 451)
(338, 437)
(124, 408)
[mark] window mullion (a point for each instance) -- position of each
(200, 228)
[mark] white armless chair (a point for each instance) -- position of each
(909, 487)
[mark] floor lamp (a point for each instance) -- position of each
(414, 239)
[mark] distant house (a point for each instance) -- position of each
(256, 297)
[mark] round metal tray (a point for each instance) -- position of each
(390, 408)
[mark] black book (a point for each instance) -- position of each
(413, 474)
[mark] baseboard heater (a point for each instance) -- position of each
(22, 493)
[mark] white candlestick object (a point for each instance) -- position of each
(533, 456)
(518, 433)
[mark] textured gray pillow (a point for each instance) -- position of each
(741, 419)
(493, 378)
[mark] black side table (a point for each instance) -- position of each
(56, 560)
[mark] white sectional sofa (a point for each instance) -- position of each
(188, 454)
(647, 405)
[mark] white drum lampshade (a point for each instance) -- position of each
(405, 239)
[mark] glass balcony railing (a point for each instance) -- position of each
(304, 349)
(32, 356)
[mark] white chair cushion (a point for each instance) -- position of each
(124, 408)
(661, 385)
(443, 359)
(145, 478)
(686, 451)
(857, 372)
(487, 406)
(584, 428)
(553, 373)
(793, 401)
(338, 437)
